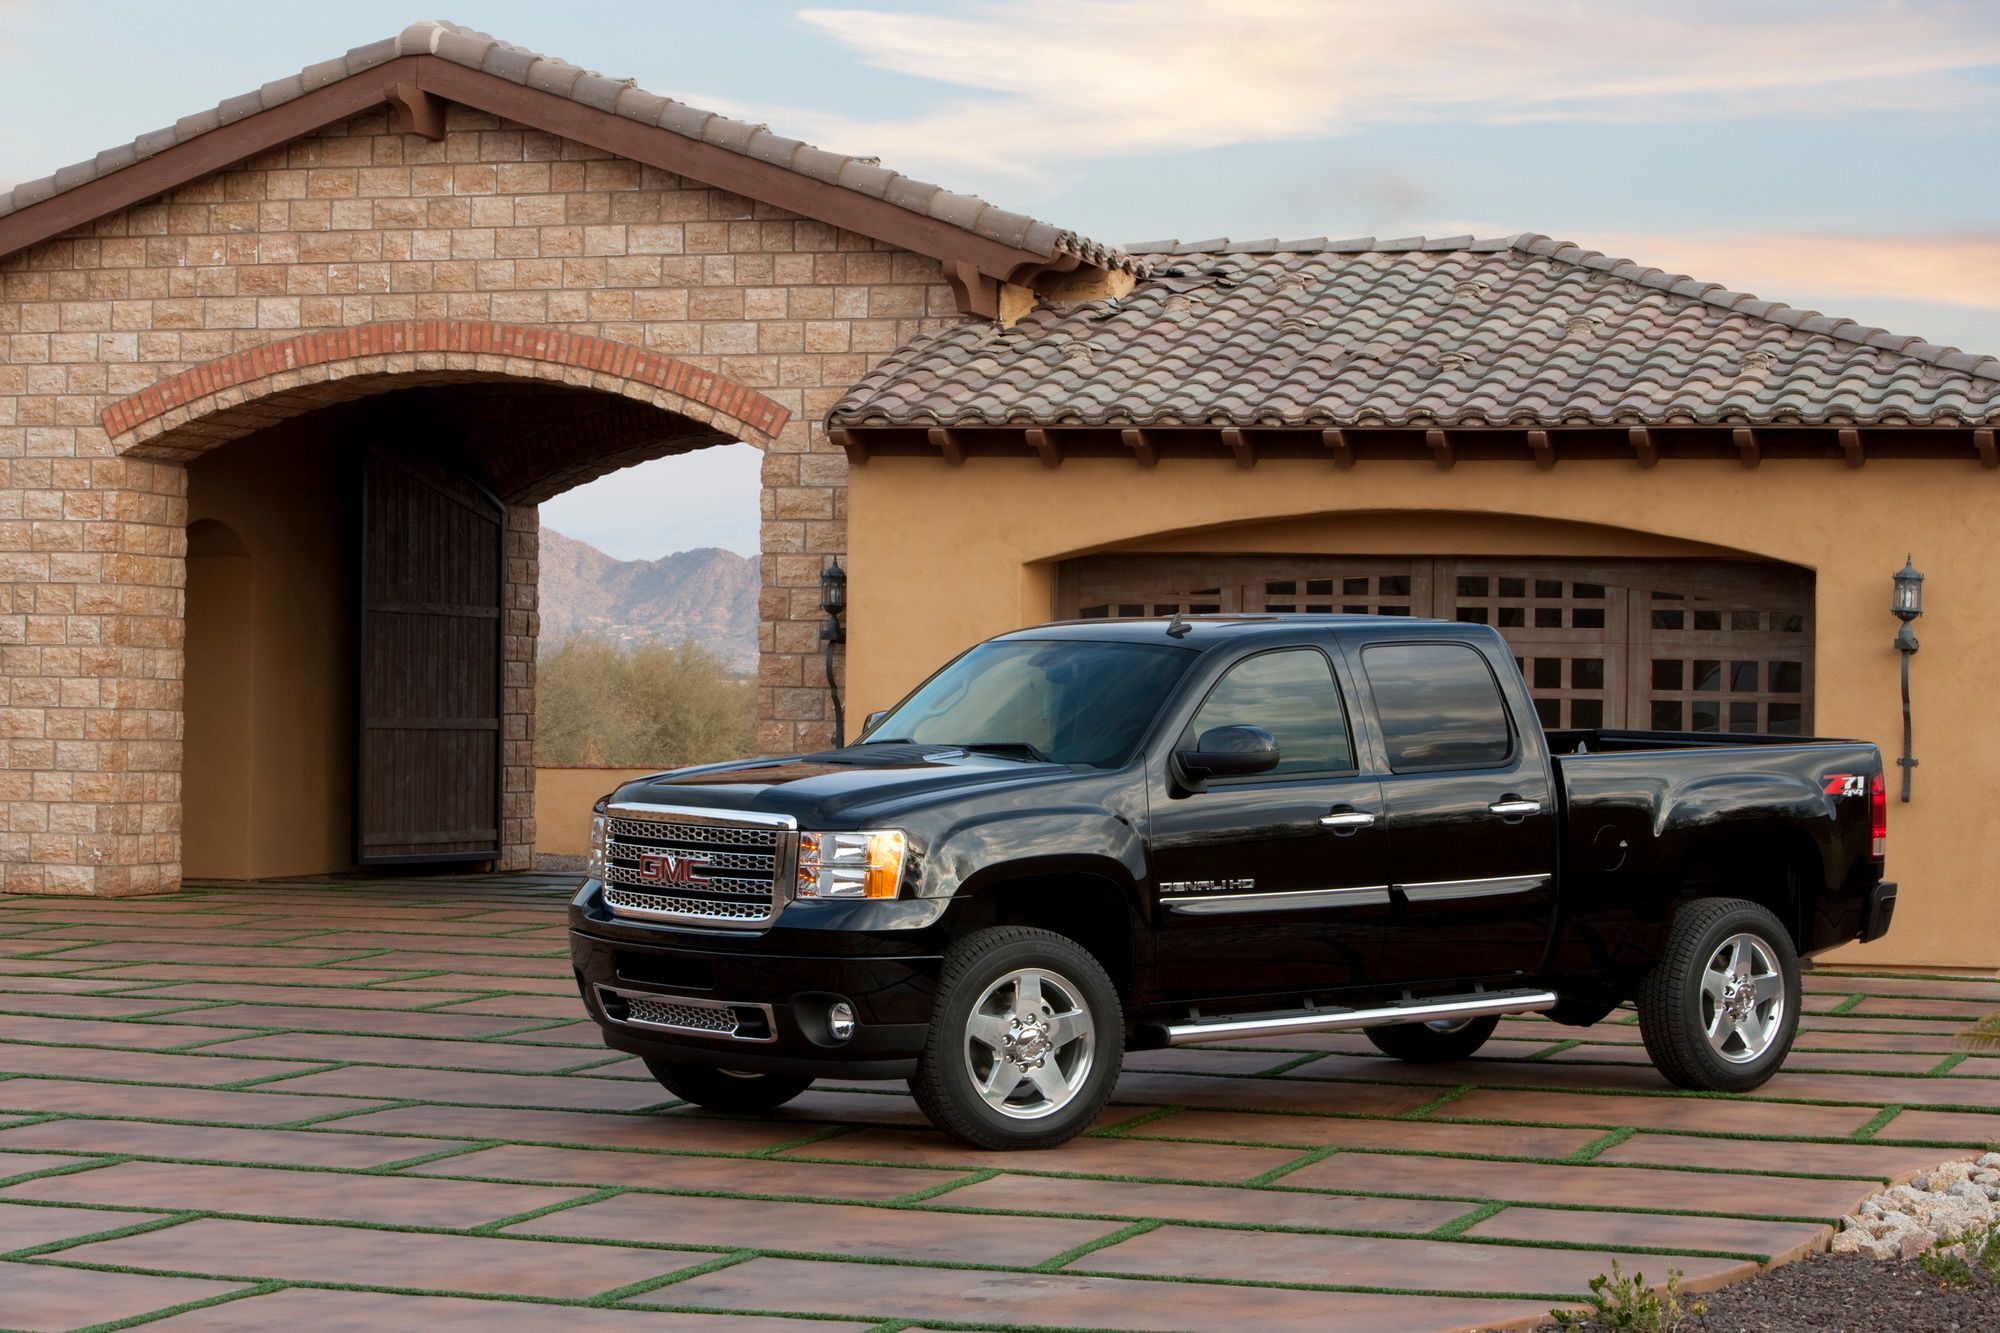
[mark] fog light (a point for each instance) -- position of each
(840, 1020)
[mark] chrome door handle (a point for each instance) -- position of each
(1515, 809)
(1347, 819)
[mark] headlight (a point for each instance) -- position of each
(594, 867)
(851, 865)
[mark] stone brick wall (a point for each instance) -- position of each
(353, 226)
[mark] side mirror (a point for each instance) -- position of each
(1227, 752)
(869, 724)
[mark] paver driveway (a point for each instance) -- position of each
(373, 1104)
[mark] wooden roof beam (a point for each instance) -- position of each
(1644, 447)
(1850, 446)
(1338, 445)
(1143, 446)
(414, 111)
(949, 443)
(1239, 444)
(850, 444)
(1050, 451)
(1545, 453)
(1440, 446)
(1989, 454)
(1748, 452)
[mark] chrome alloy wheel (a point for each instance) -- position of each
(1742, 998)
(1029, 1042)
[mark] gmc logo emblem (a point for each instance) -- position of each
(671, 868)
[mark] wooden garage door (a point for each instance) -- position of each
(428, 768)
(1672, 645)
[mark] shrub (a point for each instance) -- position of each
(650, 706)
(1620, 1302)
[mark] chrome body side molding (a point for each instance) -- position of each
(1433, 1009)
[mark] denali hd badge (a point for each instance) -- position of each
(1207, 885)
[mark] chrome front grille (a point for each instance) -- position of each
(662, 863)
(664, 1015)
(742, 1021)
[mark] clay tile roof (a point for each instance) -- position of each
(479, 51)
(1513, 331)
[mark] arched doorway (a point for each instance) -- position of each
(366, 698)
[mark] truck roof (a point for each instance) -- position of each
(1213, 630)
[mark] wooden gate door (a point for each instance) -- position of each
(427, 771)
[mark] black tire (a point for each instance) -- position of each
(1076, 1047)
(1685, 997)
(1427, 1044)
(726, 1089)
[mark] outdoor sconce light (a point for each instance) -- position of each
(833, 601)
(1907, 606)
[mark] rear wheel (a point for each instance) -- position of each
(1025, 1044)
(726, 1089)
(1433, 1043)
(1720, 1009)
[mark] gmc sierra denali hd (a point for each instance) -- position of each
(1102, 836)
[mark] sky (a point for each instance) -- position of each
(1841, 155)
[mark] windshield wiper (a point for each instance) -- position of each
(1007, 747)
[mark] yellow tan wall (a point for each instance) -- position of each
(270, 647)
(564, 795)
(982, 558)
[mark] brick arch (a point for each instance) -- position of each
(184, 415)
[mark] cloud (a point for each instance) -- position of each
(1950, 268)
(1046, 81)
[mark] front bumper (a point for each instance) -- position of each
(669, 995)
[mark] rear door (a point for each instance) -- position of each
(427, 772)
(1470, 810)
(1275, 883)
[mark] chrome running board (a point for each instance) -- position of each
(1432, 1009)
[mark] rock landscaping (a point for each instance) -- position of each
(1937, 1207)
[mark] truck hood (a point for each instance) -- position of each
(848, 786)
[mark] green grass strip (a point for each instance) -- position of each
(640, 1288)
(1589, 1151)
(1875, 1124)
(1464, 1222)
(1297, 1163)
(1949, 1063)
(1103, 1242)
(1442, 1099)
(185, 1307)
(494, 1228)
(925, 1195)
(1850, 1004)
(1557, 1049)
(111, 1233)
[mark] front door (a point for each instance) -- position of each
(1279, 878)
(1471, 823)
(427, 772)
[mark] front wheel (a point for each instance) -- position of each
(1433, 1043)
(1025, 1045)
(1719, 1011)
(726, 1089)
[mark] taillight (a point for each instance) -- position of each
(1878, 815)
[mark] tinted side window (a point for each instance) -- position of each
(1291, 694)
(1440, 706)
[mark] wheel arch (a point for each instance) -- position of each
(1081, 898)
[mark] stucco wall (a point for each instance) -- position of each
(353, 226)
(282, 669)
(564, 795)
(1007, 522)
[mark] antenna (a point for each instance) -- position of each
(1178, 628)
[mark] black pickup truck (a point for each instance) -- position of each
(1102, 836)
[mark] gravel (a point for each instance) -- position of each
(1844, 1293)
(1871, 1283)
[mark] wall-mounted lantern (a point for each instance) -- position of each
(1907, 606)
(833, 601)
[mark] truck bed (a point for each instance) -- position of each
(1591, 740)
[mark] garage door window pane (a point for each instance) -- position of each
(1439, 706)
(1290, 694)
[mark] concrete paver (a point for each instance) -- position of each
(364, 1119)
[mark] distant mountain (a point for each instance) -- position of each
(708, 596)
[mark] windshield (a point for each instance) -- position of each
(1069, 701)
